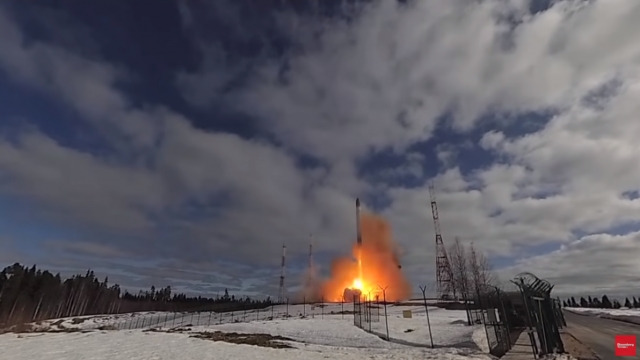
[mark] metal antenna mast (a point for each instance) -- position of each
(282, 295)
(443, 267)
(310, 254)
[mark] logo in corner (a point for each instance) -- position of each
(626, 345)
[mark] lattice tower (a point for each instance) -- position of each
(444, 285)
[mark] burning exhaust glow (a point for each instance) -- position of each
(374, 265)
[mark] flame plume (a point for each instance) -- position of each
(374, 263)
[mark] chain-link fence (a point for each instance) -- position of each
(542, 314)
(493, 308)
(416, 322)
(168, 320)
(194, 318)
(365, 312)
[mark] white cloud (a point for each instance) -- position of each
(74, 185)
(264, 188)
(593, 265)
(384, 79)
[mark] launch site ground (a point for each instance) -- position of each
(318, 335)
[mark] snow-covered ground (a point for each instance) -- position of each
(138, 345)
(448, 327)
(623, 314)
(620, 312)
(315, 333)
(88, 322)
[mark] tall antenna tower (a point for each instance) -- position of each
(310, 254)
(281, 294)
(443, 268)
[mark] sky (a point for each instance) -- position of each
(182, 143)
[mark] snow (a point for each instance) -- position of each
(315, 336)
(623, 314)
(479, 337)
(616, 312)
(88, 322)
(333, 332)
(138, 345)
(448, 327)
(558, 357)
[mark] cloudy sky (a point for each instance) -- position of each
(182, 143)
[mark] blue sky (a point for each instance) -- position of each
(182, 143)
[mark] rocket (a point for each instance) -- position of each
(358, 221)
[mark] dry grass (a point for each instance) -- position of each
(263, 340)
(76, 321)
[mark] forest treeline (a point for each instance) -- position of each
(601, 303)
(30, 294)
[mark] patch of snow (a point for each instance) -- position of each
(617, 312)
(628, 315)
(334, 332)
(448, 327)
(558, 357)
(479, 337)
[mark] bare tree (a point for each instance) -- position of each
(480, 269)
(459, 268)
(460, 271)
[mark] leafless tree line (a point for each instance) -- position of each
(470, 270)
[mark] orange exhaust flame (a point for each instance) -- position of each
(376, 265)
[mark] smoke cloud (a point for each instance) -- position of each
(380, 266)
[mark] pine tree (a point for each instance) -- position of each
(573, 302)
(606, 304)
(635, 303)
(616, 304)
(627, 303)
(583, 302)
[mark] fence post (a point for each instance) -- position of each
(287, 307)
(342, 306)
(426, 309)
(369, 312)
(386, 320)
(322, 307)
(304, 306)
(272, 311)
(506, 318)
(525, 299)
(484, 321)
(354, 311)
